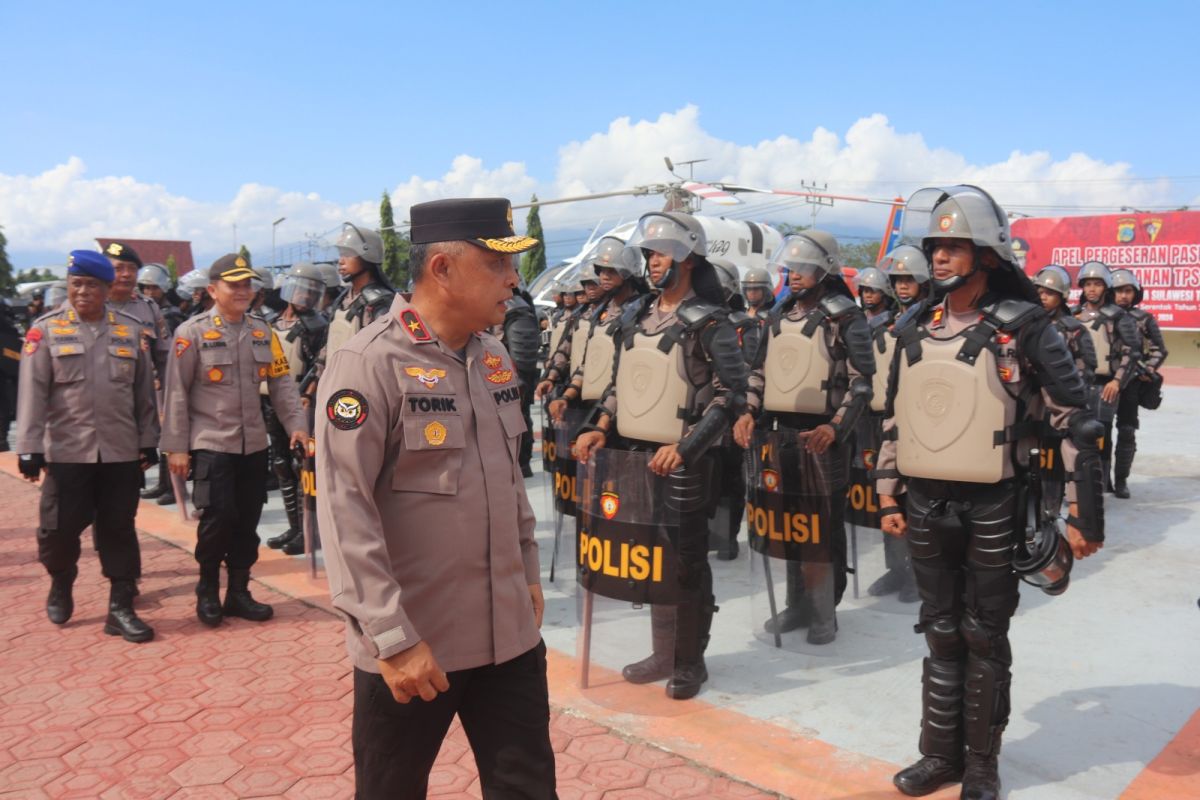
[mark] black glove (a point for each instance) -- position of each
(149, 457)
(31, 465)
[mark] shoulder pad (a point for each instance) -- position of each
(882, 320)
(697, 311)
(1010, 314)
(913, 315)
(739, 317)
(633, 310)
(1068, 322)
(374, 293)
(515, 303)
(1111, 311)
(312, 321)
(837, 305)
(1139, 314)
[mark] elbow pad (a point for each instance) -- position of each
(707, 432)
(1085, 432)
(860, 398)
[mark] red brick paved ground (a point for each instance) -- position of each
(247, 710)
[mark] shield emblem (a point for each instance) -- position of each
(610, 504)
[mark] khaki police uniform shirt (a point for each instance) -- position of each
(212, 400)
(85, 397)
(427, 531)
(154, 327)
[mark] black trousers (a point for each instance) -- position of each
(505, 712)
(1127, 406)
(525, 449)
(102, 495)
(228, 489)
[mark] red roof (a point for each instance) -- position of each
(155, 251)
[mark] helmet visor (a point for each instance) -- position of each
(802, 255)
(302, 292)
(661, 234)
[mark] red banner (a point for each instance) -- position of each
(1163, 250)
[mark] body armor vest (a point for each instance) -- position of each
(579, 343)
(556, 334)
(340, 331)
(884, 343)
(1099, 333)
(597, 367)
(797, 367)
(953, 414)
(652, 389)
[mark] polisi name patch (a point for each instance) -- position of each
(502, 396)
(432, 404)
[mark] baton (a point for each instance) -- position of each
(181, 497)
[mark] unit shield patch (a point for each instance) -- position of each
(346, 409)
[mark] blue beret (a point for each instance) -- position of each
(91, 263)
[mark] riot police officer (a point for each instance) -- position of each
(756, 289)
(301, 333)
(1117, 342)
(1053, 285)
(87, 418)
(566, 358)
(964, 468)
(153, 283)
(685, 325)
(908, 271)
(819, 324)
(193, 287)
(875, 293)
(1147, 389)
(367, 294)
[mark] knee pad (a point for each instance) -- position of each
(943, 638)
(983, 643)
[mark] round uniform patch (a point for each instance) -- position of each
(435, 434)
(346, 409)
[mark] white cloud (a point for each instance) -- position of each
(64, 208)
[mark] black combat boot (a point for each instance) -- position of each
(941, 730)
(239, 603)
(691, 640)
(886, 584)
(661, 661)
(167, 498)
(985, 715)
(798, 610)
(291, 507)
(59, 603)
(164, 482)
(208, 595)
(1123, 460)
(122, 620)
(822, 629)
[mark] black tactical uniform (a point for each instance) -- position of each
(521, 337)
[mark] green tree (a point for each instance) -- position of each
(244, 253)
(533, 263)
(395, 246)
(172, 268)
(860, 255)
(34, 275)
(7, 283)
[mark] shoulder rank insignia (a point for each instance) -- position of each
(414, 326)
(427, 377)
(938, 313)
(491, 360)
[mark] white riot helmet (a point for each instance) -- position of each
(872, 278)
(957, 212)
(611, 253)
(194, 281)
(1055, 279)
(756, 278)
(1094, 269)
(265, 280)
(303, 287)
(361, 242)
(906, 260)
(330, 274)
(812, 253)
(1125, 277)
(727, 276)
(671, 233)
(154, 275)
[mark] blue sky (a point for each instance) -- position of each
(345, 101)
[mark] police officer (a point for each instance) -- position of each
(988, 339)
(1053, 285)
(154, 283)
(213, 425)
(709, 373)
(819, 323)
(617, 270)
(301, 333)
(756, 289)
(333, 286)
(366, 295)
(875, 293)
(1128, 294)
(520, 336)
(418, 431)
(908, 270)
(10, 364)
(122, 297)
(193, 287)
(1117, 343)
(87, 418)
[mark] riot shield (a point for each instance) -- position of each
(795, 512)
(882, 567)
(1054, 480)
(563, 484)
(308, 508)
(627, 578)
